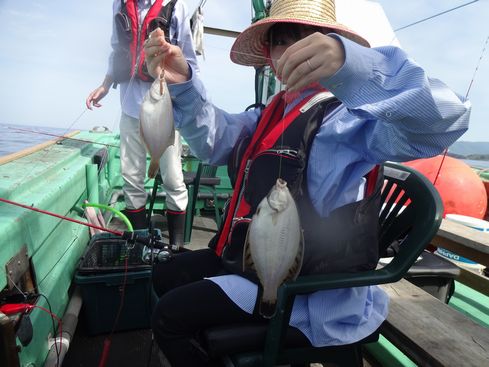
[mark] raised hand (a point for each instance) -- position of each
(161, 55)
(310, 59)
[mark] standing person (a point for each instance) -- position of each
(381, 106)
(133, 22)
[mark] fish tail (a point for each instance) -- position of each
(267, 308)
(154, 166)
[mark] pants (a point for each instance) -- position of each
(188, 304)
(133, 168)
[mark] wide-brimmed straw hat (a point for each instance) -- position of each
(249, 45)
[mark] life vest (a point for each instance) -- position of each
(132, 35)
(345, 241)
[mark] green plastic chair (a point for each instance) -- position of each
(411, 215)
(204, 179)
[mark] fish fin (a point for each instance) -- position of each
(91, 215)
(101, 219)
(267, 308)
(296, 268)
(247, 259)
(154, 166)
(172, 134)
(274, 218)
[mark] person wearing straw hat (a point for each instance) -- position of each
(345, 110)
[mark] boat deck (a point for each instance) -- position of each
(131, 348)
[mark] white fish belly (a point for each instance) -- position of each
(274, 241)
(156, 120)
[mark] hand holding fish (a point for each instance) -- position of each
(161, 55)
(312, 58)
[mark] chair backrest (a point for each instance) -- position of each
(411, 214)
(208, 170)
(206, 175)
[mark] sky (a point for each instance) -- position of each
(54, 53)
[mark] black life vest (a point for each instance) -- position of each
(345, 241)
(132, 35)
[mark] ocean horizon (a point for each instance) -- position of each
(14, 138)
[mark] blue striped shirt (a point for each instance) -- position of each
(391, 110)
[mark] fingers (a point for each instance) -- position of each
(160, 54)
(309, 60)
(292, 57)
(298, 69)
(155, 50)
(156, 44)
(94, 98)
(89, 100)
(154, 65)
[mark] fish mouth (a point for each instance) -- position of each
(281, 182)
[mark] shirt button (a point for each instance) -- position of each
(388, 114)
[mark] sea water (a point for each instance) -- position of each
(12, 140)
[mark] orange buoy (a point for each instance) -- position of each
(460, 188)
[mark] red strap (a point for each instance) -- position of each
(266, 116)
(132, 13)
(372, 180)
(153, 12)
(270, 127)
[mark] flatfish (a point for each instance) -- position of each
(156, 122)
(274, 245)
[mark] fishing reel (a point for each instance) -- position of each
(154, 249)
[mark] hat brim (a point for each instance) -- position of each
(248, 48)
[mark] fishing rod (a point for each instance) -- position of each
(61, 136)
(118, 233)
(434, 16)
(466, 97)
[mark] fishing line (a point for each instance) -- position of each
(434, 16)
(477, 67)
(61, 137)
(466, 96)
(46, 150)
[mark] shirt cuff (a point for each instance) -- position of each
(180, 92)
(187, 95)
(356, 71)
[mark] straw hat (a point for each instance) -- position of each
(249, 45)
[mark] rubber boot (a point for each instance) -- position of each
(137, 217)
(176, 227)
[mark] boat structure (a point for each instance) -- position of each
(76, 295)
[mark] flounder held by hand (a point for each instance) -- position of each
(274, 245)
(156, 123)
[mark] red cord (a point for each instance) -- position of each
(13, 308)
(108, 340)
(118, 233)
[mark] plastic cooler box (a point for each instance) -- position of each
(100, 276)
(435, 275)
(474, 223)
